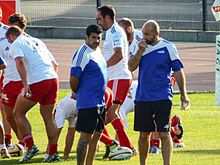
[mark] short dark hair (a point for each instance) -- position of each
(93, 29)
(14, 30)
(18, 19)
(107, 10)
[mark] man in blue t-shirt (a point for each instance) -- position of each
(88, 81)
(156, 58)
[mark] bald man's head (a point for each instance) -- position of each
(151, 31)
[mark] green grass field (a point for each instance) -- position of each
(201, 136)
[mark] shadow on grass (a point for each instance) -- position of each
(208, 151)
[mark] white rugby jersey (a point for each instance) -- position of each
(66, 110)
(37, 58)
(115, 38)
(10, 72)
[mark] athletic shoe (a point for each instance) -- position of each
(135, 152)
(154, 150)
(109, 148)
(52, 158)
(178, 145)
(4, 154)
(29, 153)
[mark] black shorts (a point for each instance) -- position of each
(152, 116)
(91, 120)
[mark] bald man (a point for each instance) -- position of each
(156, 58)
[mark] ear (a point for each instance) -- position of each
(129, 29)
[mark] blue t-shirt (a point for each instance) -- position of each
(155, 68)
(90, 67)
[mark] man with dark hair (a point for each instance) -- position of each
(115, 50)
(88, 81)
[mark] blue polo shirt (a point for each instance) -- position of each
(155, 68)
(90, 67)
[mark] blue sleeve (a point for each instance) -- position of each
(2, 61)
(176, 65)
(76, 71)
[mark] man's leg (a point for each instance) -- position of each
(167, 147)
(51, 127)
(82, 147)
(22, 106)
(92, 148)
(144, 146)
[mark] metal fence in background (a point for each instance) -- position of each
(171, 14)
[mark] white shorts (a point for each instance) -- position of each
(66, 110)
(128, 105)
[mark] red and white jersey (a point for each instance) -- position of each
(116, 38)
(3, 29)
(133, 48)
(66, 110)
(37, 58)
(10, 72)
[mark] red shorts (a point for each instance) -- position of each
(120, 89)
(45, 92)
(10, 92)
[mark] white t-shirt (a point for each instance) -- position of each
(37, 58)
(116, 38)
(66, 110)
(10, 72)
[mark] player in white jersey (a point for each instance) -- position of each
(40, 82)
(66, 110)
(115, 50)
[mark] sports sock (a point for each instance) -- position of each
(28, 141)
(118, 125)
(155, 142)
(106, 139)
(52, 148)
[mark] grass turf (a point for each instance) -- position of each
(201, 136)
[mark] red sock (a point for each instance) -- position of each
(8, 139)
(155, 142)
(122, 135)
(106, 139)
(52, 148)
(106, 132)
(28, 141)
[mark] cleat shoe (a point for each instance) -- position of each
(109, 148)
(29, 153)
(154, 150)
(135, 152)
(52, 158)
(178, 145)
(4, 154)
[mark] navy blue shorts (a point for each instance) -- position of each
(152, 116)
